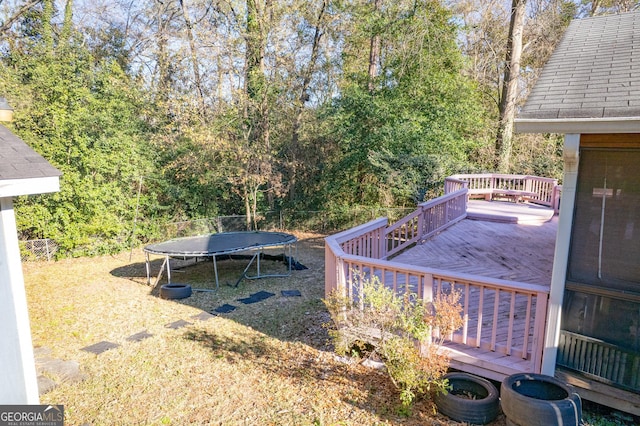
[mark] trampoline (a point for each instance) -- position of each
(221, 244)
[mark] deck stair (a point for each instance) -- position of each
(507, 212)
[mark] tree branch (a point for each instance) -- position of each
(9, 22)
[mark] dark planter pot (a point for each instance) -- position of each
(539, 400)
(175, 291)
(471, 399)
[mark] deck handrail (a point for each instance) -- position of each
(540, 190)
(429, 218)
(452, 184)
(376, 240)
(365, 249)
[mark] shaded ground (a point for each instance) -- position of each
(268, 362)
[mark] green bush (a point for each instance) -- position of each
(406, 333)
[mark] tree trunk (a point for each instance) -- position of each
(247, 207)
(194, 58)
(374, 51)
(507, 108)
(257, 109)
(47, 29)
(67, 24)
(162, 54)
(255, 48)
(304, 96)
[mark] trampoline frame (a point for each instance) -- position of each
(257, 250)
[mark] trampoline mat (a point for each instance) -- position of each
(224, 242)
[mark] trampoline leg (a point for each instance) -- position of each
(244, 273)
(215, 271)
(160, 272)
(289, 263)
(146, 265)
(258, 262)
(168, 270)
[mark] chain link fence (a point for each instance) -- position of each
(323, 222)
(292, 220)
(32, 250)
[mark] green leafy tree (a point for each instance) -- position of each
(82, 116)
(404, 129)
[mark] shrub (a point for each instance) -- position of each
(407, 333)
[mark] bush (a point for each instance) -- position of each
(407, 333)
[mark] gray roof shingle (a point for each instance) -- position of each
(19, 161)
(594, 72)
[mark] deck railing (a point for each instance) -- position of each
(429, 218)
(501, 316)
(540, 190)
(493, 318)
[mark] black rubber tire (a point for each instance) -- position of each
(539, 400)
(478, 411)
(175, 291)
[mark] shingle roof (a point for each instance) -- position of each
(19, 161)
(594, 73)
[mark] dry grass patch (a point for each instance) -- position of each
(268, 363)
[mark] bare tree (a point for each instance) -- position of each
(6, 25)
(483, 38)
(508, 99)
(607, 7)
(194, 57)
(374, 50)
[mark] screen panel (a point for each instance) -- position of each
(605, 240)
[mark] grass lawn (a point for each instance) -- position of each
(267, 363)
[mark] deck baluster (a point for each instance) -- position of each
(512, 309)
(465, 314)
(494, 327)
(527, 321)
(480, 317)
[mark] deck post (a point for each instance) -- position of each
(561, 255)
(556, 198)
(420, 223)
(330, 270)
(539, 332)
(19, 380)
(382, 244)
(425, 292)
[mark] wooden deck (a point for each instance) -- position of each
(491, 244)
(507, 241)
(497, 255)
